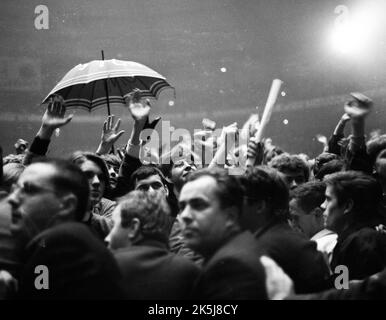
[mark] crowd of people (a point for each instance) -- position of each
(112, 224)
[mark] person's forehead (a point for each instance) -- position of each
(149, 180)
(89, 165)
(203, 187)
(38, 172)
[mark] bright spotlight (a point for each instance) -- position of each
(355, 29)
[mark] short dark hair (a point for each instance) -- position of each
(151, 210)
(266, 183)
(309, 195)
(69, 178)
(79, 157)
(288, 162)
(144, 172)
(322, 159)
(229, 190)
(111, 160)
(330, 167)
(362, 189)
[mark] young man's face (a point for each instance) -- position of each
(94, 175)
(333, 212)
(293, 178)
(152, 184)
(308, 223)
(203, 221)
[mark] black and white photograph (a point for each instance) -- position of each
(189, 155)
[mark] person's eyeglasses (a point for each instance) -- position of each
(29, 188)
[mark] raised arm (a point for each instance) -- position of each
(53, 118)
(110, 135)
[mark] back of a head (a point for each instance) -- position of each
(309, 195)
(229, 190)
(69, 178)
(322, 159)
(263, 183)
(151, 210)
(363, 190)
(330, 167)
(290, 163)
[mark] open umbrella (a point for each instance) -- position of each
(103, 82)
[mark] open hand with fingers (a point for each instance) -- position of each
(110, 134)
(54, 117)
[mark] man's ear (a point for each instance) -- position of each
(233, 216)
(166, 190)
(134, 229)
(348, 206)
(318, 212)
(68, 206)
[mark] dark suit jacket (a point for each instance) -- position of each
(150, 271)
(234, 272)
(80, 266)
(297, 256)
(363, 251)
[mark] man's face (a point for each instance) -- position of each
(307, 223)
(293, 178)
(118, 237)
(94, 175)
(203, 222)
(152, 184)
(34, 201)
(333, 212)
(181, 169)
(113, 173)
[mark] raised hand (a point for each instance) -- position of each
(359, 106)
(54, 118)
(138, 108)
(109, 135)
(255, 151)
(110, 132)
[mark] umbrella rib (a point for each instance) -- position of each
(139, 79)
(92, 94)
(120, 90)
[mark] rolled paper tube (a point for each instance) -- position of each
(273, 94)
(271, 100)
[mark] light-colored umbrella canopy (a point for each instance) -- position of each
(84, 85)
